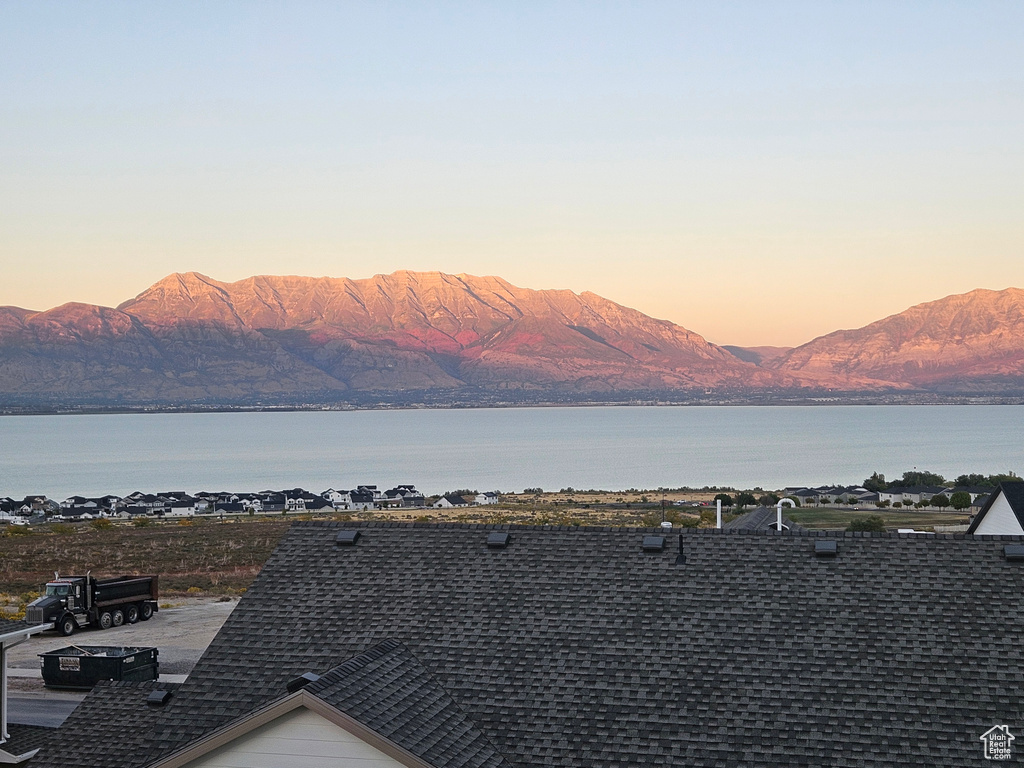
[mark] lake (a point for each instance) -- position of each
(506, 449)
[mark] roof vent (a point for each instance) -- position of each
(497, 540)
(666, 525)
(681, 557)
(158, 698)
(347, 538)
(301, 682)
(653, 543)
(827, 548)
(1014, 552)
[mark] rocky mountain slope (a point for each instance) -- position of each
(191, 338)
(292, 340)
(971, 342)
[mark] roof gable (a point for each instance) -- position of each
(384, 699)
(300, 729)
(1003, 512)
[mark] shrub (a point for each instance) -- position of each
(100, 524)
(872, 523)
(140, 522)
(62, 529)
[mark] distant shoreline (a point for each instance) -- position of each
(406, 405)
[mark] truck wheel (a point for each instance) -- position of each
(146, 611)
(131, 614)
(66, 626)
(117, 618)
(106, 620)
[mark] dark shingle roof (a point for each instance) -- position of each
(25, 738)
(389, 691)
(760, 519)
(575, 647)
(113, 713)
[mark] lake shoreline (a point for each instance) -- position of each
(865, 400)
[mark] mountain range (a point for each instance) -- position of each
(189, 339)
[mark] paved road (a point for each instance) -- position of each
(49, 710)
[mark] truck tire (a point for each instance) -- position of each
(67, 625)
(146, 611)
(106, 620)
(117, 617)
(131, 614)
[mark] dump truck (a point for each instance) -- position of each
(72, 602)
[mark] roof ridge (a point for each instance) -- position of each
(689, 531)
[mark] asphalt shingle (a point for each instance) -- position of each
(576, 647)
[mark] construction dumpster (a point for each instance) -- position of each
(82, 666)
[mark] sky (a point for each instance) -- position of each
(759, 172)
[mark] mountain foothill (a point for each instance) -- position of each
(189, 339)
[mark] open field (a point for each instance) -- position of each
(209, 556)
(833, 519)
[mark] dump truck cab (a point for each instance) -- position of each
(61, 596)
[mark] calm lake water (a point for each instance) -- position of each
(505, 449)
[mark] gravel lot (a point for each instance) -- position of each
(181, 634)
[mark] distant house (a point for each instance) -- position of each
(912, 495)
(319, 504)
(77, 513)
(273, 502)
(361, 498)
(229, 508)
(404, 496)
(450, 501)
(1003, 513)
(487, 497)
(182, 508)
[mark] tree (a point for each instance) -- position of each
(960, 500)
(872, 523)
(725, 498)
(745, 499)
(768, 500)
(918, 477)
(975, 480)
(940, 500)
(875, 483)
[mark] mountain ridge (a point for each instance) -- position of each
(288, 338)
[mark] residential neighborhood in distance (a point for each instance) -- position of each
(38, 509)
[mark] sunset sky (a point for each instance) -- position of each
(759, 172)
